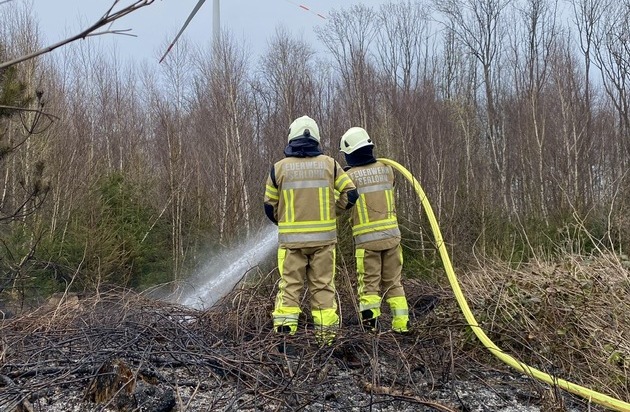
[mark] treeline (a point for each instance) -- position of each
(513, 115)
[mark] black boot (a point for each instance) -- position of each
(285, 347)
(368, 320)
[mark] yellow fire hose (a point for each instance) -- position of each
(586, 393)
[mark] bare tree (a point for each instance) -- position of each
(287, 68)
(223, 95)
(170, 103)
(402, 44)
(477, 24)
(612, 56)
(349, 36)
(406, 76)
(588, 16)
(457, 83)
(571, 171)
(286, 79)
(533, 46)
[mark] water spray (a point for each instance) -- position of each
(216, 278)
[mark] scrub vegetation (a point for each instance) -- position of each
(117, 178)
(118, 350)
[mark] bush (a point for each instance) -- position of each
(115, 240)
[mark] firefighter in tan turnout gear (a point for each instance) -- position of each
(300, 199)
(375, 231)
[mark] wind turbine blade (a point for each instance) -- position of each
(305, 7)
(190, 17)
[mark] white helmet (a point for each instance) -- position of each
(304, 126)
(353, 139)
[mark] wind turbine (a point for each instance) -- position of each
(216, 24)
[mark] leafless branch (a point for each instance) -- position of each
(109, 17)
(108, 345)
(23, 109)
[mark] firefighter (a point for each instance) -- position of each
(376, 234)
(304, 192)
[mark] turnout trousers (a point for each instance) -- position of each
(380, 270)
(316, 266)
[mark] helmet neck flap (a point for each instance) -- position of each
(302, 147)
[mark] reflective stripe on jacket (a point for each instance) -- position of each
(302, 194)
(374, 222)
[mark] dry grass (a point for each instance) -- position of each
(569, 318)
(225, 358)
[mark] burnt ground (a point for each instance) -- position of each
(120, 351)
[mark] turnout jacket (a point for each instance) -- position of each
(374, 222)
(304, 194)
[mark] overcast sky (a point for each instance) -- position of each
(251, 21)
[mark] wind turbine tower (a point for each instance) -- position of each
(216, 21)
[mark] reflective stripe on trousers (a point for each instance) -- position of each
(377, 235)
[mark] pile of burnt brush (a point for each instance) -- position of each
(123, 351)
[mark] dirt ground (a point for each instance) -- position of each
(120, 351)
